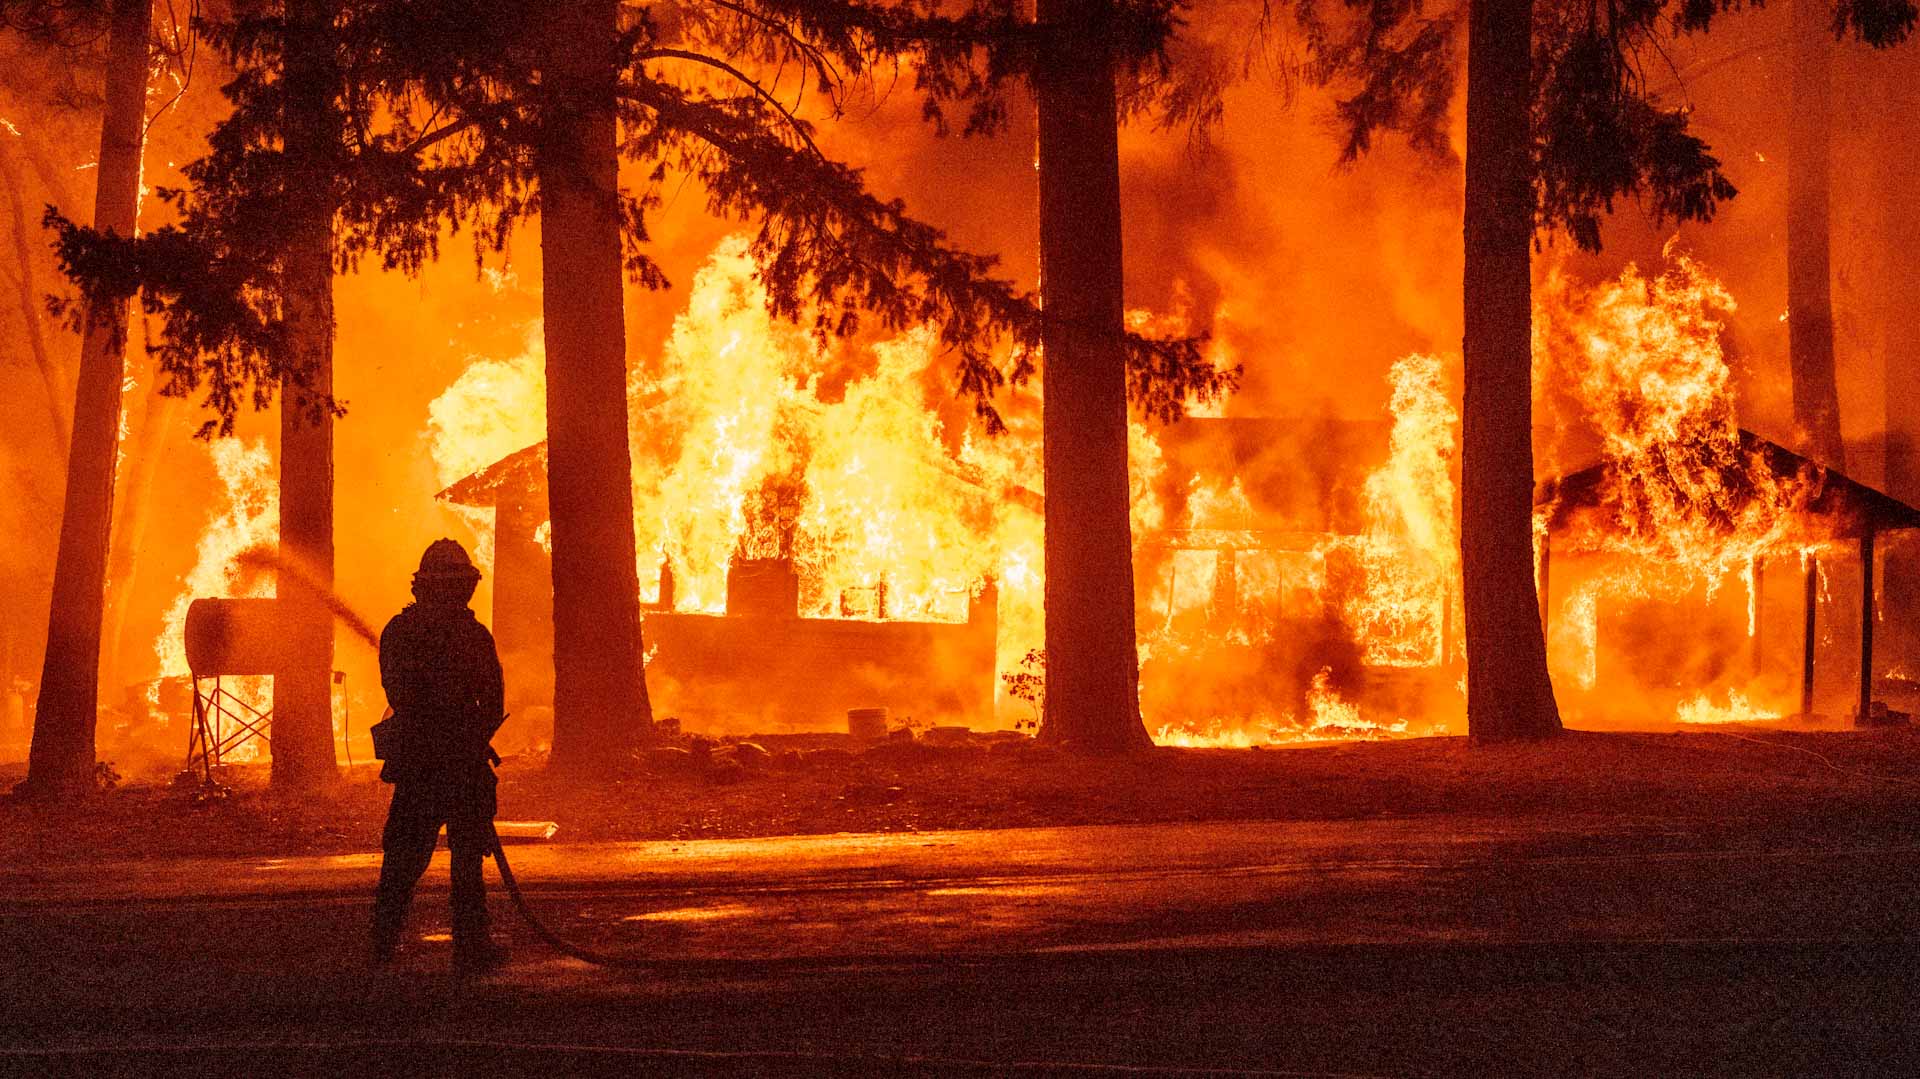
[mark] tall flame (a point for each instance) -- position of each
(247, 516)
(1410, 552)
(1688, 503)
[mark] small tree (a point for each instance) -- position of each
(1027, 683)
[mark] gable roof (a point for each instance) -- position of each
(522, 469)
(1838, 507)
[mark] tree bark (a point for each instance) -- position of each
(1093, 667)
(1509, 694)
(61, 759)
(600, 706)
(302, 746)
(1816, 395)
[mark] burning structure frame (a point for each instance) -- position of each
(1828, 509)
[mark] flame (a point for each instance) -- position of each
(1410, 552)
(1329, 717)
(248, 515)
(494, 409)
(1701, 709)
(742, 448)
(1651, 378)
(1685, 503)
(751, 438)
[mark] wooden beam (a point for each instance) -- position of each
(1812, 594)
(1864, 716)
(1546, 578)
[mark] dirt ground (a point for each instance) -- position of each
(815, 784)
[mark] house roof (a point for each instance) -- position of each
(522, 469)
(1837, 506)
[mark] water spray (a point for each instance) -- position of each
(262, 558)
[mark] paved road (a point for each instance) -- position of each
(1373, 947)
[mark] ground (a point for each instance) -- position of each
(1735, 902)
(1687, 776)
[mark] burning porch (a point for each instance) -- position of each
(1628, 528)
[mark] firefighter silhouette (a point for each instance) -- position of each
(443, 684)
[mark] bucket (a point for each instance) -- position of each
(867, 724)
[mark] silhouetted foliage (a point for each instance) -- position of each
(66, 23)
(1598, 136)
(444, 107)
(1599, 133)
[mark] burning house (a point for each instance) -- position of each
(1257, 594)
(1659, 563)
(1282, 568)
(757, 663)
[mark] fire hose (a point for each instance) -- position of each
(265, 557)
(552, 939)
(499, 853)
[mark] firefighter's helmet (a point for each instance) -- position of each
(446, 560)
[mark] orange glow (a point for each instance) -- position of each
(1701, 709)
(1328, 718)
(1411, 549)
(247, 516)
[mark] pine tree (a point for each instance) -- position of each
(1509, 694)
(599, 689)
(302, 736)
(1816, 390)
(61, 758)
(1093, 669)
(1559, 126)
(481, 114)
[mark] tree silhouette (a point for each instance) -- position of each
(61, 758)
(1093, 669)
(1560, 125)
(482, 114)
(310, 148)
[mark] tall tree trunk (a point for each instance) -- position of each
(1093, 668)
(1899, 281)
(1816, 395)
(61, 759)
(302, 747)
(1509, 694)
(600, 706)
